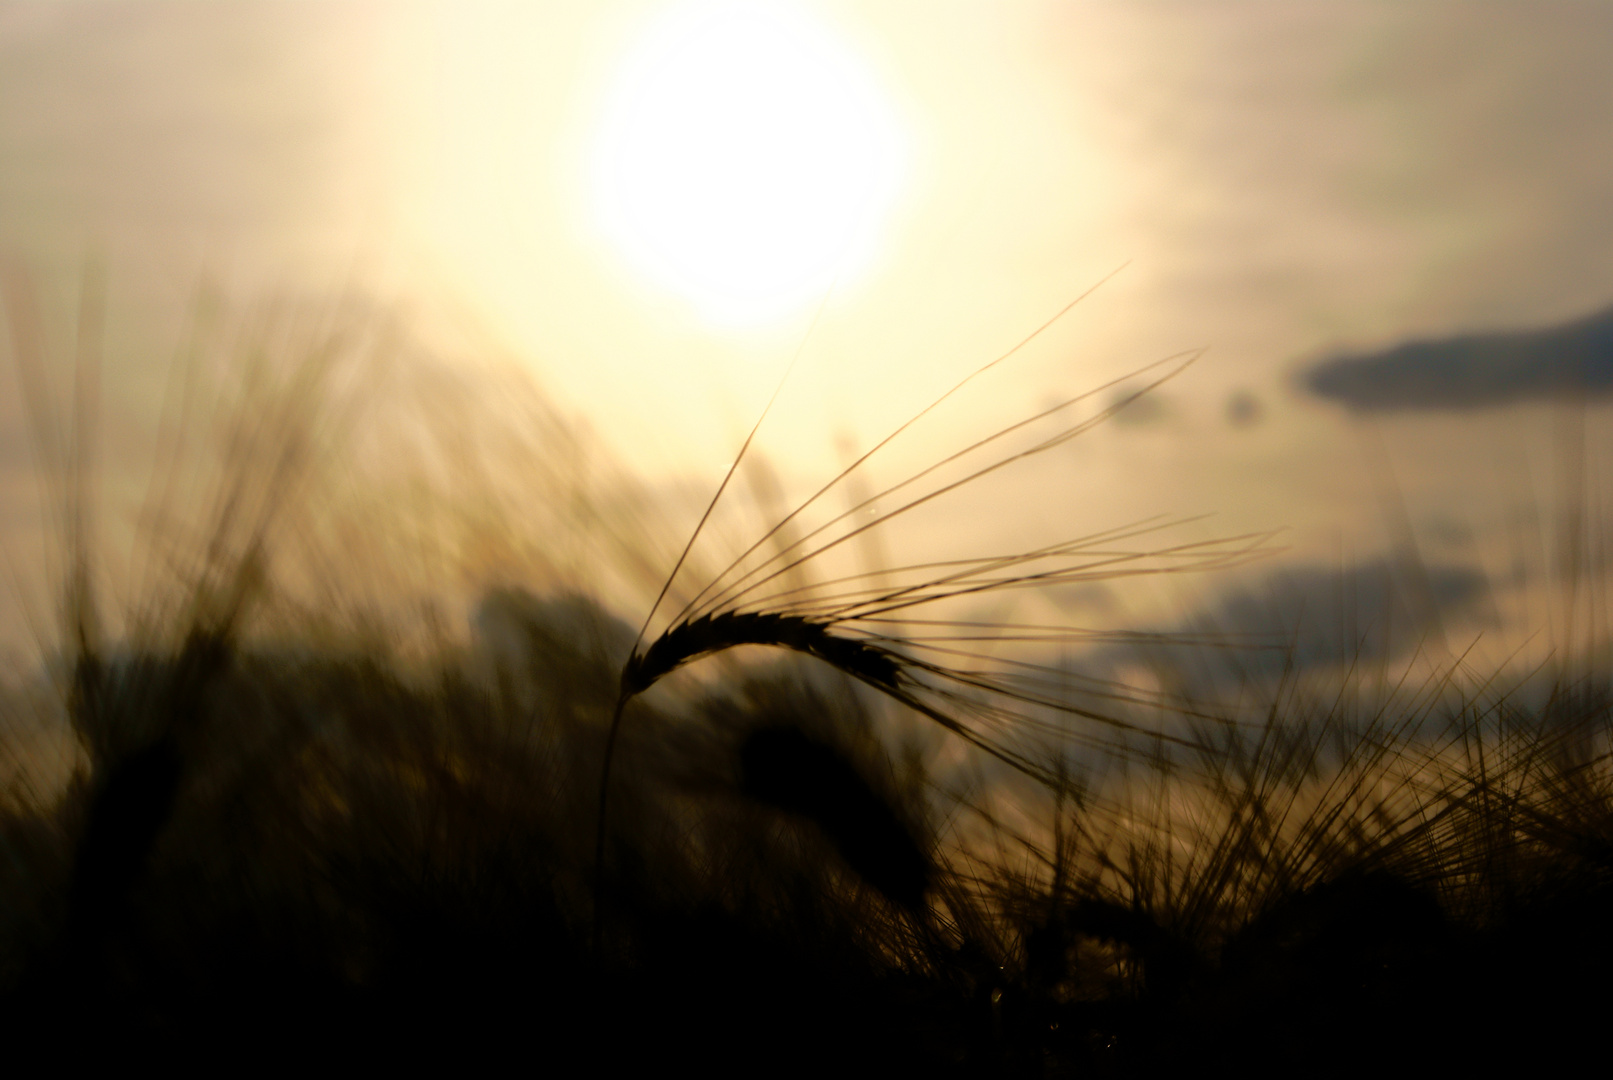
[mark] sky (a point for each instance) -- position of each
(1384, 230)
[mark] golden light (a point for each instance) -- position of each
(746, 160)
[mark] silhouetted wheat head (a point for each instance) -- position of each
(873, 625)
(713, 633)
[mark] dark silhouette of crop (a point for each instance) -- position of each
(783, 767)
(299, 825)
(845, 623)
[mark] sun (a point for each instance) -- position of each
(746, 161)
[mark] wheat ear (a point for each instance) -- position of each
(844, 628)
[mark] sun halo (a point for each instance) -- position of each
(746, 161)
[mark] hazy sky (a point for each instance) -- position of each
(1284, 183)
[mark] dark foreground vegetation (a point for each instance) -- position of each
(839, 847)
(286, 853)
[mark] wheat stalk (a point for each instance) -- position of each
(855, 623)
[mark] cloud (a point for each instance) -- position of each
(1574, 359)
(1313, 617)
(1322, 616)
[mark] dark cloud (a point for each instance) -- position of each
(1571, 360)
(1321, 616)
(1316, 617)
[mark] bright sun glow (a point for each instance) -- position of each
(746, 161)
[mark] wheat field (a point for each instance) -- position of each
(268, 798)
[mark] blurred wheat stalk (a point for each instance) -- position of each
(270, 700)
